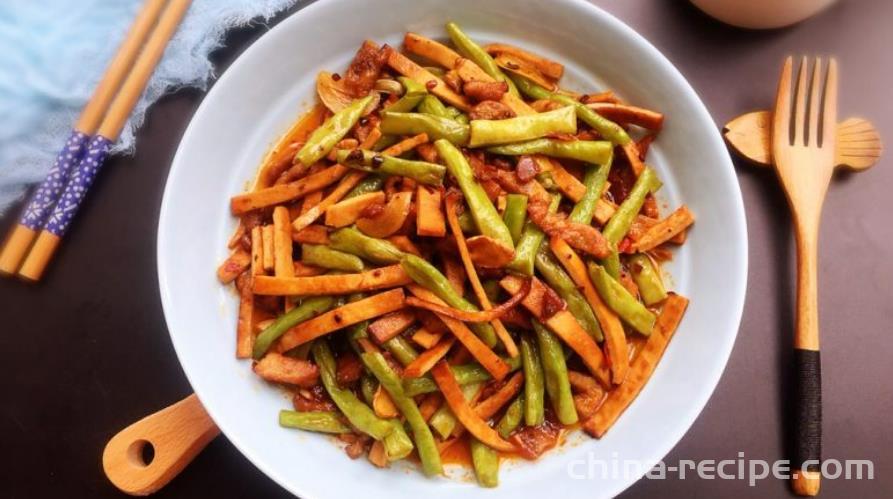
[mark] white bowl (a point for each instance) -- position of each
(272, 83)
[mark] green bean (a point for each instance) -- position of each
(458, 115)
(647, 278)
(385, 141)
(397, 445)
(482, 210)
(378, 251)
(606, 128)
(512, 417)
(443, 420)
(595, 181)
(324, 138)
(557, 278)
(414, 94)
(416, 123)
(424, 440)
(465, 374)
(626, 213)
(621, 301)
(328, 258)
(534, 412)
(529, 245)
(369, 161)
(368, 386)
(492, 289)
(476, 54)
(308, 309)
(401, 349)
(466, 223)
(370, 183)
(432, 105)
(359, 414)
(319, 421)
(558, 386)
(548, 182)
(597, 152)
(453, 112)
(520, 128)
(515, 214)
(427, 276)
(486, 463)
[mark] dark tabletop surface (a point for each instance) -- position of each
(87, 351)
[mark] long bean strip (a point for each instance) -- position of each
(318, 421)
(427, 276)
(411, 98)
(529, 245)
(647, 278)
(606, 128)
(557, 278)
(590, 151)
(359, 414)
(482, 210)
(558, 387)
(534, 388)
(309, 308)
(465, 374)
(369, 161)
(621, 301)
(492, 132)
(324, 138)
(415, 123)
(486, 463)
(515, 215)
(424, 440)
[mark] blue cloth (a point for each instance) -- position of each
(53, 53)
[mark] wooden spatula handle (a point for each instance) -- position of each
(177, 434)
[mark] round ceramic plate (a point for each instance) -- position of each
(272, 83)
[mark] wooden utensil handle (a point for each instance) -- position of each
(177, 434)
(808, 447)
(808, 405)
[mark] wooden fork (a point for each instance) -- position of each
(804, 143)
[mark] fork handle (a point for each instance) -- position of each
(805, 476)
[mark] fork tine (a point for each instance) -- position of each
(812, 125)
(781, 118)
(829, 106)
(800, 103)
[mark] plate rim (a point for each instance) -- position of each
(695, 408)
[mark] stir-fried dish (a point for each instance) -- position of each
(451, 256)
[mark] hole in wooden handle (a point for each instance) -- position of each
(148, 454)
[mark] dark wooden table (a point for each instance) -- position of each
(87, 351)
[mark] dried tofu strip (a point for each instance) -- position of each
(641, 369)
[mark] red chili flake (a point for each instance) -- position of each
(625, 245)
(552, 303)
(430, 84)
(336, 77)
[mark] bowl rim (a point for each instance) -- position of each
(695, 407)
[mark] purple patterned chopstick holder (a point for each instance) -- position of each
(81, 179)
(45, 197)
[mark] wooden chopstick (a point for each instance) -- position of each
(83, 175)
(44, 198)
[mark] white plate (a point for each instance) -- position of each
(271, 84)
